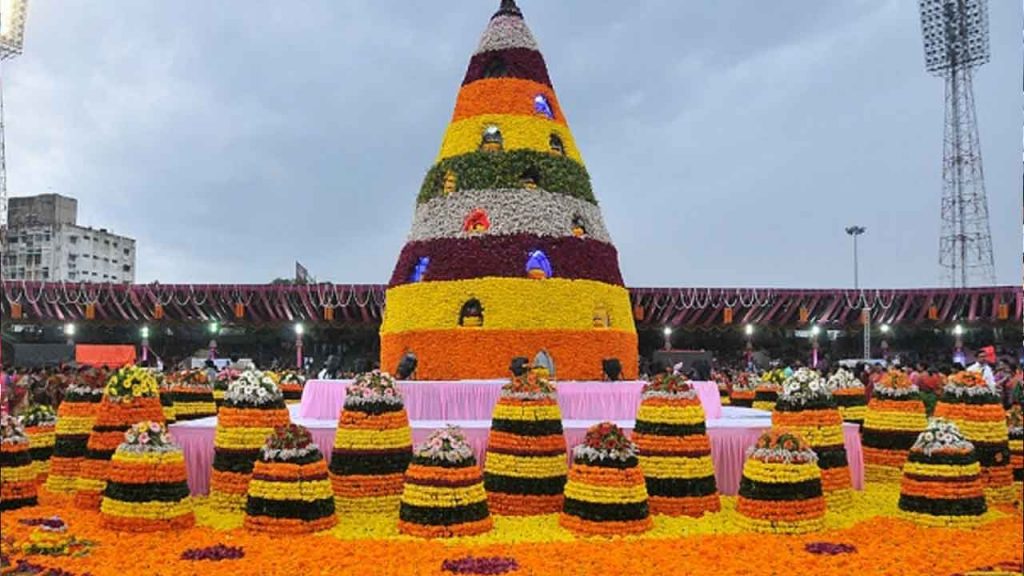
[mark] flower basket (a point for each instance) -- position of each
(253, 408)
(17, 474)
(372, 447)
(606, 494)
(75, 418)
(444, 495)
(941, 483)
(130, 396)
(40, 426)
(977, 410)
(147, 484)
(807, 408)
(193, 395)
(674, 450)
(850, 395)
(895, 417)
(525, 469)
(780, 490)
(292, 384)
(290, 492)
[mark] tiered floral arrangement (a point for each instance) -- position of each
(850, 395)
(1015, 425)
(163, 386)
(372, 447)
(895, 417)
(674, 450)
(253, 408)
(525, 468)
(147, 485)
(806, 407)
(606, 494)
(17, 474)
(289, 492)
(131, 396)
(193, 395)
(221, 383)
(767, 390)
(743, 386)
(508, 251)
(780, 490)
(977, 410)
(941, 483)
(40, 423)
(292, 383)
(75, 418)
(723, 380)
(444, 491)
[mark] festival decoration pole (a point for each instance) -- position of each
(299, 331)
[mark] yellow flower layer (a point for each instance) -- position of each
(355, 438)
(60, 484)
(43, 440)
(74, 425)
(976, 431)
(226, 502)
(780, 527)
(763, 405)
(528, 467)
(17, 473)
(189, 408)
(605, 494)
(875, 473)
(876, 420)
(149, 458)
(306, 491)
(369, 505)
(89, 485)
(775, 472)
(147, 510)
(243, 438)
(854, 412)
(509, 304)
(1000, 495)
(943, 470)
(820, 435)
(443, 497)
(676, 467)
(517, 133)
(960, 522)
(840, 501)
(671, 415)
(531, 413)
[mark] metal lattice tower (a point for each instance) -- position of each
(12, 39)
(956, 42)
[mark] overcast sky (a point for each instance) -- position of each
(729, 142)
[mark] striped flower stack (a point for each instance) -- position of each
(942, 483)
(606, 494)
(292, 384)
(17, 474)
(75, 418)
(163, 385)
(895, 417)
(221, 383)
(40, 423)
(147, 485)
(724, 381)
(674, 450)
(1015, 424)
(767, 390)
(525, 469)
(193, 395)
(806, 407)
(290, 492)
(850, 396)
(780, 490)
(130, 396)
(977, 410)
(372, 447)
(444, 490)
(253, 408)
(742, 394)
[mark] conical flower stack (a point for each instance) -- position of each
(17, 474)
(253, 407)
(444, 491)
(724, 382)
(1015, 424)
(674, 450)
(131, 396)
(147, 486)
(606, 494)
(193, 395)
(40, 423)
(508, 253)
(221, 383)
(372, 447)
(850, 396)
(977, 410)
(742, 394)
(806, 407)
(941, 483)
(767, 390)
(780, 490)
(525, 469)
(292, 383)
(895, 417)
(75, 418)
(290, 492)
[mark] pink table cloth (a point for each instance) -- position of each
(475, 399)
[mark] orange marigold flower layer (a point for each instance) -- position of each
(692, 444)
(130, 524)
(355, 419)
(613, 528)
(508, 440)
(289, 525)
(523, 504)
(913, 406)
(695, 507)
(146, 473)
(358, 486)
(970, 412)
(438, 475)
(970, 487)
(826, 417)
(599, 476)
(251, 418)
(229, 482)
(781, 510)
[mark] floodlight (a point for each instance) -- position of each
(144, 332)
(299, 329)
(214, 327)
(955, 34)
(958, 330)
(885, 328)
(749, 329)
(815, 330)
(12, 27)
(667, 331)
(69, 329)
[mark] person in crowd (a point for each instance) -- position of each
(983, 365)
(331, 369)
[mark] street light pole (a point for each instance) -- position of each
(856, 231)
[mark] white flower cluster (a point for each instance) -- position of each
(940, 436)
(584, 452)
(253, 388)
(510, 211)
(373, 388)
(843, 379)
(83, 390)
(889, 392)
(804, 386)
(447, 444)
(506, 32)
(284, 454)
(688, 394)
(781, 455)
(147, 437)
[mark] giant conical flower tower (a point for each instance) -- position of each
(508, 253)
